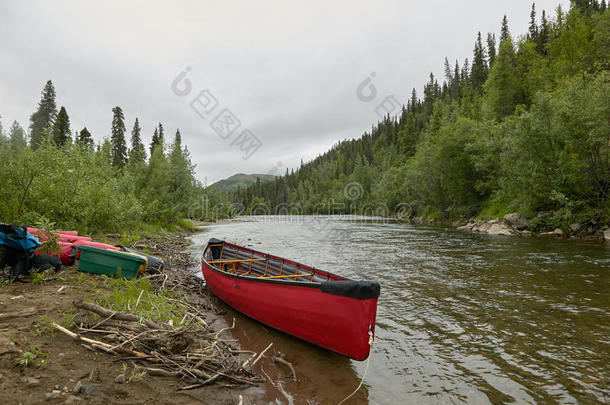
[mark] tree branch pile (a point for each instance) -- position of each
(191, 351)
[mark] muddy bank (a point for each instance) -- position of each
(41, 364)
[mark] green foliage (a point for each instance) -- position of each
(71, 186)
(37, 278)
(85, 140)
(140, 296)
(44, 327)
(33, 357)
(137, 154)
(119, 147)
(525, 130)
(61, 128)
(44, 116)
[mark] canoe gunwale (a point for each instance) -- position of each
(334, 283)
(335, 313)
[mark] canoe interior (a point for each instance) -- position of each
(242, 261)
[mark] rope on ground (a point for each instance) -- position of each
(366, 369)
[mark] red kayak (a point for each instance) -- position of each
(317, 306)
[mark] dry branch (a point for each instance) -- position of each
(280, 360)
(18, 314)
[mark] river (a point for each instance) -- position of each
(462, 318)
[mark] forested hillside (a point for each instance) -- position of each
(522, 125)
(61, 176)
(241, 180)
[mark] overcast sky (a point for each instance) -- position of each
(288, 71)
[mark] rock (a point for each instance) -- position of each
(120, 379)
(482, 227)
(499, 229)
(72, 399)
(516, 220)
(32, 382)
(89, 389)
(52, 395)
(607, 234)
(467, 227)
(526, 233)
(574, 227)
(494, 221)
(77, 387)
(556, 232)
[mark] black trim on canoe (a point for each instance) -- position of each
(362, 290)
(346, 288)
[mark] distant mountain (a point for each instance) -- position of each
(241, 180)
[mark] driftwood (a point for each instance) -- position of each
(192, 351)
(122, 316)
(18, 314)
(280, 360)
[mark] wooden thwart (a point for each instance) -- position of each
(236, 261)
(288, 276)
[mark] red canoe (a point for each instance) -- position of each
(320, 307)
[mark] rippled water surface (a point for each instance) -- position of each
(462, 318)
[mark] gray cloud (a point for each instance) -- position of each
(288, 70)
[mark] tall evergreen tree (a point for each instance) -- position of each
(61, 128)
(543, 35)
(533, 28)
(155, 140)
(17, 136)
(117, 140)
(161, 136)
(479, 65)
(491, 48)
(503, 86)
(504, 32)
(85, 139)
(602, 6)
(137, 154)
(42, 119)
(158, 139)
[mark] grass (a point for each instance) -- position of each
(37, 278)
(136, 374)
(33, 357)
(493, 209)
(140, 296)
(67, 320)
(44, 326)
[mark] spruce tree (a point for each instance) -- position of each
(533, 28)
(161, 136)
(543, 35)
(61, 128)
(157, 139)
(85, 139)
(602, 6)
(503, 86)
(17, 136)
(504, 32)
(42, 119)
(491, 48)
(479, 65)
(117, 140)
(137, 154)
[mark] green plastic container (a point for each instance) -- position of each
(110, 262)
